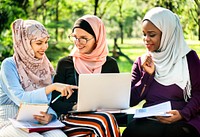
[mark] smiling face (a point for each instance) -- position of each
(151, 36)
(82, 34)
(39, 47)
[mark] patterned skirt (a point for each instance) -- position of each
(90, 124)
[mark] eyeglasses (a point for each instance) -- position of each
(82, 41)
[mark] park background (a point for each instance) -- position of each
(122, 19)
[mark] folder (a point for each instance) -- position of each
(33, 127)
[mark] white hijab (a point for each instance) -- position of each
(170, 60)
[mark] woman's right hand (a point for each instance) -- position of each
(74, 107)
(147, 63)
(64, 89)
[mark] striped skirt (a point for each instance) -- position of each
(93, 124)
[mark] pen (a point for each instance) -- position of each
(56, 98)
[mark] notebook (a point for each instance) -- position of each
(105, 91)
(27, 110)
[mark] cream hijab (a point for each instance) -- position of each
(34, 73)
(171, 62)
(92, 63)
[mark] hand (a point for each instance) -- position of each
(148, 64)
(64, 89)
(74, 107)
(168, 120)
(44, 119)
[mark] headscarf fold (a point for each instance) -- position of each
(171, 61)
(92, 63)
(34, 73)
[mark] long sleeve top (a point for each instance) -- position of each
(66, 73)
(145, 87)
(12, 93)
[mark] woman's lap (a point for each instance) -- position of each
(10, 131)
(98, 123)
(145, 127)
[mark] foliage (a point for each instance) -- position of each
(121, 17)
(9, 11)
(131, 47)
(6, 49)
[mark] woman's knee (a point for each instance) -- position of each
(54, 133)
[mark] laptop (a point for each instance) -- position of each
(105, 91)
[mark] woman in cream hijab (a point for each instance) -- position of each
(169, 71)
(27, 78)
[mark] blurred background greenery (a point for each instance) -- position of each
(131, 47)
(122, 19)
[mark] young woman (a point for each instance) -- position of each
(27, 77)
(168, 72)
(90, 55)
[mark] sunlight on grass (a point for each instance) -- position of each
(121, 129)
(133, 48)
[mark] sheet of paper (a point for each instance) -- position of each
(156, 110)
(52, 124)
(26, 111)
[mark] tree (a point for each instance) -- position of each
(101, 7)
(182, 9)
(9, 11)
(96, 2)
(120, 21)
(198, 15)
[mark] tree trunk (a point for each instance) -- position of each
(121, 21)
(56, 32)
(198, 15)
(44, 14)
(121, 32)
(96, 7)
(199, 29)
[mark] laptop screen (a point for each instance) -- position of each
(104, 91)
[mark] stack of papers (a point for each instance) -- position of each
(33, 127)
(156, 110)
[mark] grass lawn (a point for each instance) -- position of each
(134, 48)
(131, 47)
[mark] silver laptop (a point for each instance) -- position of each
(107, 91)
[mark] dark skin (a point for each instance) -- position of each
(152, 37)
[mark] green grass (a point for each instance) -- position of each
(131, 47)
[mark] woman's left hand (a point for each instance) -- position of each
(168, 120)
(147, 63)
(44, 119)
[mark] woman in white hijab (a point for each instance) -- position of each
(169, 71)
